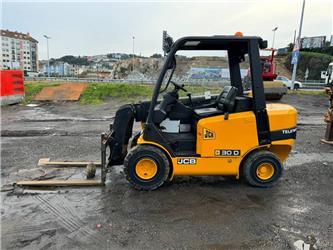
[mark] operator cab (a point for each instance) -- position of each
(174, 112)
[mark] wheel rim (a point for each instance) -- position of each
(146, 168)
(265, 171)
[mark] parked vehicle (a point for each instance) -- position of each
(328, 76)
(288, 83)
(274, 90)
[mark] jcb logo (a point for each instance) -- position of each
(227, 152)
(187, 161)
(208, 134)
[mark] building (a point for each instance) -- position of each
(79, 69)
(282, 51)
(58, 69)
(18, 51)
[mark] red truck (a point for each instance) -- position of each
(268, 64)
(274, 90)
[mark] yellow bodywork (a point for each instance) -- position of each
(265, 171)
(281, 116)
(223, 144)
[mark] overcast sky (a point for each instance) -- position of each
(90, 28)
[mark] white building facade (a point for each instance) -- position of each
(18, 51)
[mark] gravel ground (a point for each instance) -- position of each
(191, 213)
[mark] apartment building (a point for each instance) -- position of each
(58, 69)
(18, 51)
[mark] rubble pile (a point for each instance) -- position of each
(148, 69)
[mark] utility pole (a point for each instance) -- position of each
(274, 30)
(133, 53)
(297, 45)
(164, 36)
(48, 57)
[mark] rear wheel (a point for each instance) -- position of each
(262, 169)
(279, 96)
(146, 167)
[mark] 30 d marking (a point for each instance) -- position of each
(227, 152)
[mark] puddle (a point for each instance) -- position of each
(40, 114)
(55, 118)
(308, 244)
(300, 159)
(310, 120)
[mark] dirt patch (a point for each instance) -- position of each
(63, 92)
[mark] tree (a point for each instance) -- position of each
(326, 49)
(156, 55)
(290, 47)
(74, 60)
(315, 62)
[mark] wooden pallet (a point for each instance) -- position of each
(47, 162)
(61, 183)
(74, 182)
(327, 142)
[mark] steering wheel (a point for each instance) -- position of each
(178, 86)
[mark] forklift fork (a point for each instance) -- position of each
(106, 138)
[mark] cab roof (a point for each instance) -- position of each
(218, 42)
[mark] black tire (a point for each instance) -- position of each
(257, 159)
(296, 86)
(169, 180)
(146, 152)
(279, 97)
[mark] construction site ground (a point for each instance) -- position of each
(190, 213)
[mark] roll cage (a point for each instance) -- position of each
(237, 47)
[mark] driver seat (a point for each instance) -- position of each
(225, 103)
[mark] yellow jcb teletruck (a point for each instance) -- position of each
(230, 134)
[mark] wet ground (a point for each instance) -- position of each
(191, 213)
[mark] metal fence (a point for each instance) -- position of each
(308, 84)
(314, 84)
(220, 81)
(88, 80)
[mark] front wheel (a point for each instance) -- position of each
(146, 167)
(262, 169)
